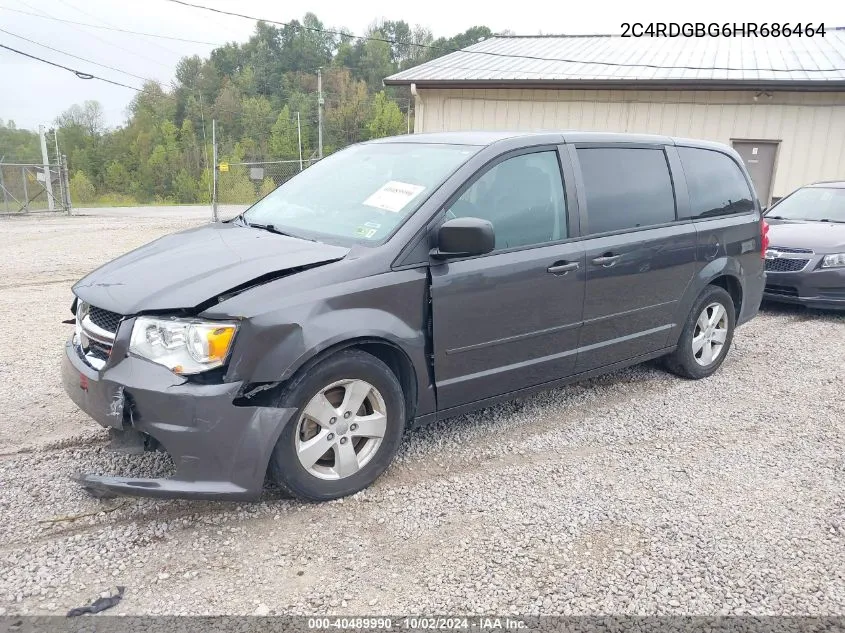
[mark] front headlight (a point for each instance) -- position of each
(833, 261)
(184, 346)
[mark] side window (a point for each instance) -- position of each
(522, 196)
(626, 188)
(716, 184)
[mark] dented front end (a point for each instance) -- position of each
(220, 450)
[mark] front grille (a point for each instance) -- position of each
(786, 249)
(785, 291)
(104, 319)
(98, 350)
(782, 265)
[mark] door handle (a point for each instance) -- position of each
(607, 260)
(561, 268)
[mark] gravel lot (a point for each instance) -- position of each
(635, 493)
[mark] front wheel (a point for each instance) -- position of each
(349, 424)
(706, 337)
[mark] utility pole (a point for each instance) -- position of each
(320, 102)
(48, 181)
(214, 178)
(299, 135)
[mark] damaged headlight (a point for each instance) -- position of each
(184, 346)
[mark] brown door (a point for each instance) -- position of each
(759, 159)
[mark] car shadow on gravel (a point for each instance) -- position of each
(802, 313)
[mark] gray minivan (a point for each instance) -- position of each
(406, 280)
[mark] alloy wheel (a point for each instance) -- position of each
(340, 429)
(710, 334)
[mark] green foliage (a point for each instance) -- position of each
(254, 91)
(81, 189)
(18, 146)
(115, 200)
(284, 139)
(387, 119)
(267, 187)
(185, 188)
(235, 187)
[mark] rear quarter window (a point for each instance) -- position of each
(715, 182)
(626, 188)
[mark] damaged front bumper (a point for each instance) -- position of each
(220, 450)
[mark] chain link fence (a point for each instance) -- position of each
(24, 187)
(239, 185)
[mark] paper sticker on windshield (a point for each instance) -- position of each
(393, 196)
(364, 231)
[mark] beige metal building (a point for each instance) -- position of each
(779, 101)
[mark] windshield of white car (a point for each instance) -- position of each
(815, 204)
(361, 193)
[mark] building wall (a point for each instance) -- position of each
(809, 126)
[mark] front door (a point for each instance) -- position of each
(759, 159)
(639, 257)
(509, 319)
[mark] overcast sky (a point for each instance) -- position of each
(33, 93)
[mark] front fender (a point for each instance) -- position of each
(291, 329)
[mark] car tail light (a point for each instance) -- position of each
(764, 238)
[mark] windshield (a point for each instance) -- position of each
(812, 203)
(361, 193)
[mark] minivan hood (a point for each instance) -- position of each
(185, 269)
(822, 237)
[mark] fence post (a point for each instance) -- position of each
(5, 193)
(61, 177)
(25, 191)
(66, 180)
(214, 177)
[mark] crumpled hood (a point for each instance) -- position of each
(185, 269)
(821, 237)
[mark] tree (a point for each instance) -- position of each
(81, 189)
(376, 61)
(268, 185)
(386, 118)
(88, 116)
(117, 178)
(284, 138)
(185, 187)
(254, 90)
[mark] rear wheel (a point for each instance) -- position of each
(706, 337)
(349, 423)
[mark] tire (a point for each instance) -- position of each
(320, 394)
(689, 360)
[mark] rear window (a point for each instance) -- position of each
(626, 188)
(715, 183)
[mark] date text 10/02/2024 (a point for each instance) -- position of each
(480, 623)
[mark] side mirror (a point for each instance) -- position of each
(464, 237)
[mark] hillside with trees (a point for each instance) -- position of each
(254, 91)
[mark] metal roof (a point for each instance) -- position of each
(605, 60)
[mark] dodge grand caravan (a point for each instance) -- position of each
(405, 280)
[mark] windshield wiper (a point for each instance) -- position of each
(774, 217)
(272, 229)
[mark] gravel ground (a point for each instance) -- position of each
(635, 493)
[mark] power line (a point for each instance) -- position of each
(67, 3)
(84, 59)
(160, 84)
(107, 42)
(494, 54)
(110, 28)
(80, 74)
